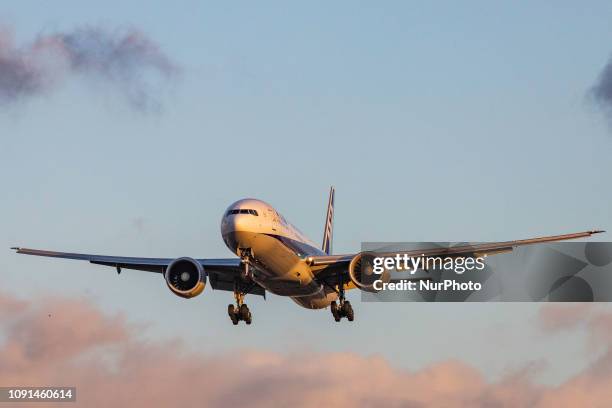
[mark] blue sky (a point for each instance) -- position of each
(435, 121)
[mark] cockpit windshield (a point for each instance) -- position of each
(242, 211)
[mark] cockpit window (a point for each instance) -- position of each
(242, 211)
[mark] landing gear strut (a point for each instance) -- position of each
(245, 258)
(344, 309)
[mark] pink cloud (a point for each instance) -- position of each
(71, 342)
(562, 316)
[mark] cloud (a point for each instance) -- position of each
(601, 92)
(563, 316)
(127, 60)
(593, 386)
(71, 342)
(597, 320)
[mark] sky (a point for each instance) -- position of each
(436, 121)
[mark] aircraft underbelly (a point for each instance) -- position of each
(319, 301)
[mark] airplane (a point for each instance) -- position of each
(274, 256)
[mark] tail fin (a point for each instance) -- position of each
(328, 233)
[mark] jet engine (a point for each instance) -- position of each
(361, 272)
(185, 277)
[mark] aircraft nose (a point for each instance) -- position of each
(238, 222)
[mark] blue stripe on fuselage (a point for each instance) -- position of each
(299, 248)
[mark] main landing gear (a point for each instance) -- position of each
(344, 309)
(240, 311)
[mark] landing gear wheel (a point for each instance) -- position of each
(334, 311)
(346, 308)
(244, 312)
(232, 312)
(348, 311)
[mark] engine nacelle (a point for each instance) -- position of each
(361, 272)
(185, 277)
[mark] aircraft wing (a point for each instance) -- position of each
(221, 271)
(332, 268)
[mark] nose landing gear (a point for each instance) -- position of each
(245, 257)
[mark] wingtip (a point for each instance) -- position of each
(597, 231)
(15, 248)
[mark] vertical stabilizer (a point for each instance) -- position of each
(328, 233)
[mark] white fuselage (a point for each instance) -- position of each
(276, 250)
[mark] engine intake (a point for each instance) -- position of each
(361, 272)
(185, 277)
